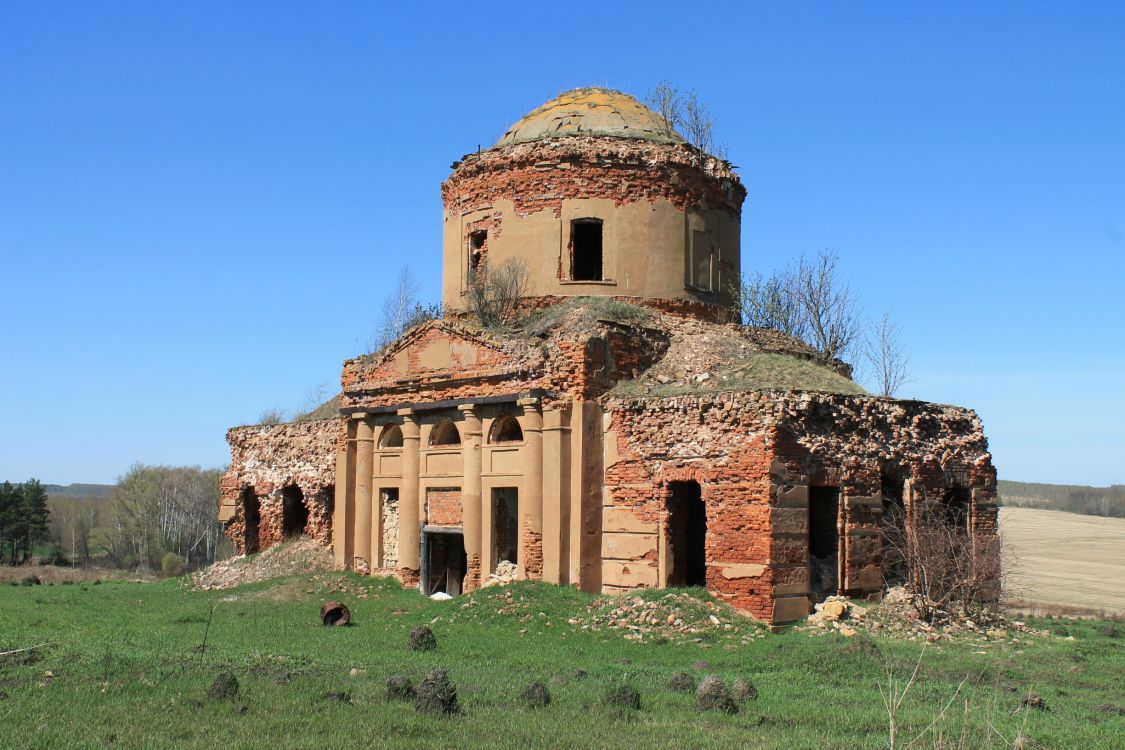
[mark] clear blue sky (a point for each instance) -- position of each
(202, 204)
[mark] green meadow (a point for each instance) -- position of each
(124, 665)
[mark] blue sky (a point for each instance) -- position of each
(203, 204)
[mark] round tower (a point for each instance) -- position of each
(595, 194)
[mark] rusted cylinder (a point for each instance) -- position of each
(335, 613)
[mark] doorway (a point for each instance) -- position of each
(294, 512)
(252, 515)
(824, 542)
(443, 561)
(687, 535)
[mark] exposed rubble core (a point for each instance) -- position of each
(622, 436)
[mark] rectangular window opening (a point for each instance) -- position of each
(586, 250)
(505, 522)
(824, 541)
(478, 244)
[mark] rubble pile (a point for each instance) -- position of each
(896, 617)
(670, 615)
(304, 555)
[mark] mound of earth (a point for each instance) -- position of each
(675, 614)
(291, 558)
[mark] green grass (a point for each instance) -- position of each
(756, 372)
(127, 673)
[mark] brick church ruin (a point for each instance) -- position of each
(622, 435)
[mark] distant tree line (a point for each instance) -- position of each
(24, 519)
(156, 518)
(1090, 501)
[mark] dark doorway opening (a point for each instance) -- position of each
(443, 562)
(893, 529)
(252, 516)
(687, 535)
(586, 249)
(824, 541)
(505, 523)
(955, 506)
(294, 512)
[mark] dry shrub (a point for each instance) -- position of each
(536, 695)
(437, 695)
(713, 695)
(682, 682)
(743, 690)
(623, 697)
(422, 639)
(224, 688)
(494, 294)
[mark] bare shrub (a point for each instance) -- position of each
(809, 300)
(686, 112)
(884, 354)
(494, 294)
(949, 571)
(271, 416)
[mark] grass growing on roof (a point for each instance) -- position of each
(123, 668)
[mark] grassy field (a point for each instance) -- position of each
(124, 669)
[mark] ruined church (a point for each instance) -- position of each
(624, 434)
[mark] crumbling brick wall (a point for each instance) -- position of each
(443, 506)
(539, 176)
(265, 459)
(751, 453)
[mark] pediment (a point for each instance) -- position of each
(437, 351)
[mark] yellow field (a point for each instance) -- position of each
(1055, 560)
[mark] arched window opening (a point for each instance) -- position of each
(506, 430)
(252, 518)
(391, 437)
(294, 512)
(445, 434)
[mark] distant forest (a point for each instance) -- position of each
(1090, 501)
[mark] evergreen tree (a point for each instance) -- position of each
(36, 516)
(8, 512)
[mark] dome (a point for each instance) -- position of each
(591, 111)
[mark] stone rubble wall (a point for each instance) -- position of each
(267, 458)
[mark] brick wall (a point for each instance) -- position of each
(443, 506)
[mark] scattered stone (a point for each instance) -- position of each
(399, 688)
(357, 672)
(299, 557)
(1031, 700)
(743, 690)
(713, 695)
(536, 695)
(437, 695)
(506, 572)
(337, 696)
(335, 613)
(682, 682)
(422, 639)
(224, 688)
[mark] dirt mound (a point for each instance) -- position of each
(301, 556)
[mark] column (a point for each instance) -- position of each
(556, 496)
(344, 501)
(364, 447)
(408, 529)
(531, 499)
(471, 494)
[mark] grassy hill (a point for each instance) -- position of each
(124, 667)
